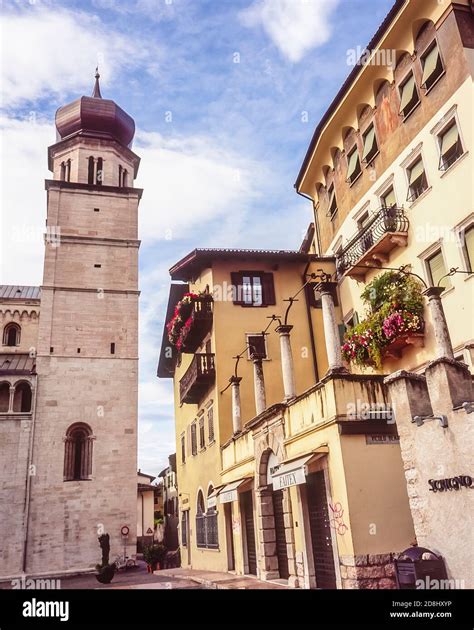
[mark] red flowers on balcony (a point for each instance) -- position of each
(394, 320)
(191, 321)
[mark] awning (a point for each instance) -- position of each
(212, 498)
(230, 492)
(293, 472)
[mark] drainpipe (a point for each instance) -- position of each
(316, 220)
(26, 514)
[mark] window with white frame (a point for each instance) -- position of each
(387, 198)
(450, 145)
(468, 247)
(436, 270)
(256, 343)
(417, 182)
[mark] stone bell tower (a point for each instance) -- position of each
(83, 480)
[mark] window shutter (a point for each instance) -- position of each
(416, 171)
(408, 91)
(342, 332)
(369, 143)
(430, 64)
(449, 139)
(237, 292)
(268, 289)
(353, 162)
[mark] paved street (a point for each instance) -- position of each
(130, 579)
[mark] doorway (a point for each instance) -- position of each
(320, 528)
(246, 504)
(277, 496)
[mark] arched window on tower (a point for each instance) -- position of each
(4, 397)
(22, 398)
(68, 171)
(78, 452)
(125, 178)
(11, 335)
(62, 175)
(120, 176)
(90, 171)
(100, 172)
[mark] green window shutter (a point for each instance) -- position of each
(408, 91)
(342, 332)
(449, 139)
(352, 164)
(268, 289)
(430, 63)
(416, 171)
(369, 143)
(237, 292)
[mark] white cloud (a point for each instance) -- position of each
(294, 26)
(52, 52)
(23, 168)
(188, 181)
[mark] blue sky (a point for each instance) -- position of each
(225, 95)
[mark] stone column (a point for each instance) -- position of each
(236, 409)
(331, 333)
(10, 402)
(267, 554)
(259, 383)
(287, 362)
(444, 346)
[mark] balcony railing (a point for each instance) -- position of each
(197, 379)
(370, 246)
(202, 324)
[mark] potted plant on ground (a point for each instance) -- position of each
(154, 556)
(105, 571)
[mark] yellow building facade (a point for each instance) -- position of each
(294, 464)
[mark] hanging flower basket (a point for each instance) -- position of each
(395, 317)
(181, 323)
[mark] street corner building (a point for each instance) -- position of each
(69, 356)
(322, 396)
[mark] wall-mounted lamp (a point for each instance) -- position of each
(420, 420)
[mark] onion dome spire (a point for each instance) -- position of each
(96, 92)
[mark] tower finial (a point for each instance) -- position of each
(96, 92)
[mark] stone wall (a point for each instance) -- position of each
(431, 451)
(368, 571)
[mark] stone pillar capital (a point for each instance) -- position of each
(328, 286)
(284, 329)
(433, 293)
(235, 380)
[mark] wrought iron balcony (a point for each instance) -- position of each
(197, 379)
(371, 245)
(202, 324)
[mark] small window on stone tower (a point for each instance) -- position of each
(62, 175)
(68, 171)
(11, 335)
(125, 178)
(90, 171)
(100, 172)
(78, 452)
(120, 176)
